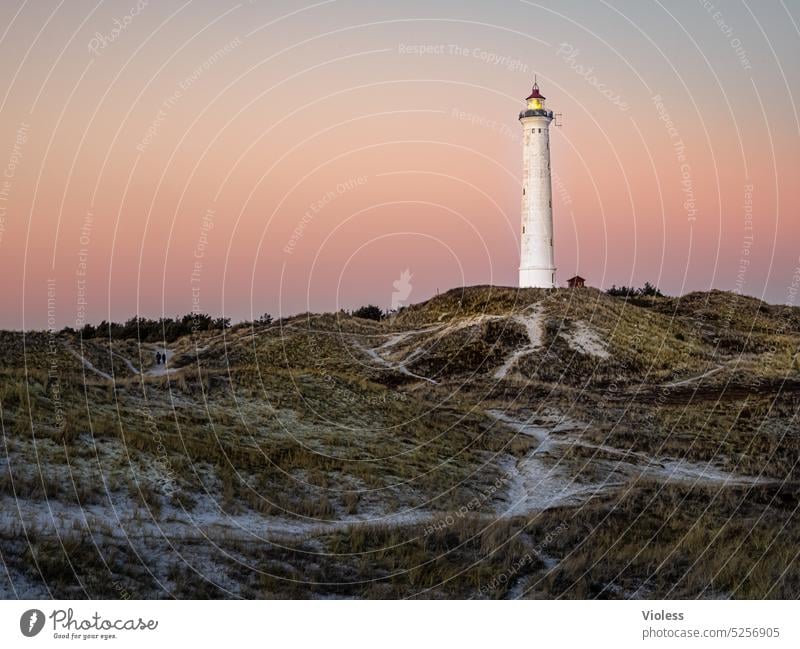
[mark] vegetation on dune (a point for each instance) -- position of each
(648, 290)
(149, 330)
(369, 312)
(680, 542)
(319, 418)
(651, 541)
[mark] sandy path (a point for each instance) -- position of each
(163, 368)
(533, 327)
(88, 365)
(629, 465)
(693, 379)
(375, 355)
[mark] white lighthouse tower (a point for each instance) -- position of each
(536, 268)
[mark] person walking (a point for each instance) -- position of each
(158, 358)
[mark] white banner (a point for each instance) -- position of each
(373, 624)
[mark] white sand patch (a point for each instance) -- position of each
(155, 370)
(126, 520)
(375, 355)
(584, 340)
(127, 362)
(389, 356)
(388, 353)
(522, 426)
(640, 465)
(395, 339)
(163, 368)
(693, 379)
(466, 323)
(700, 473)
(88, 365)
(533, 327)
(536, 484)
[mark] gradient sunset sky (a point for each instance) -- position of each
(287, 156)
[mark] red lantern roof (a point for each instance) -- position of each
(535, 94)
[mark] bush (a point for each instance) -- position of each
(369, 312)
(163, 329)
(648, 290)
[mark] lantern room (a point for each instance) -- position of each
(535, 99)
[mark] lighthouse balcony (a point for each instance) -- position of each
(539, 112)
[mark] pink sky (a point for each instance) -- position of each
(301, 157)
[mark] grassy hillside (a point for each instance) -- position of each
(490, 442)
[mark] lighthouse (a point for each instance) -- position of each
(536, 267)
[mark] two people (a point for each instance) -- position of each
(161, 358)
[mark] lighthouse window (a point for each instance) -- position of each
(523, 229)
(540, 130)
(523, 191)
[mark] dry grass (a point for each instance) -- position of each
(296, 418)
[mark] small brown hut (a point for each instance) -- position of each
(576, 282)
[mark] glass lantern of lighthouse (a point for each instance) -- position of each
(536, 99)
